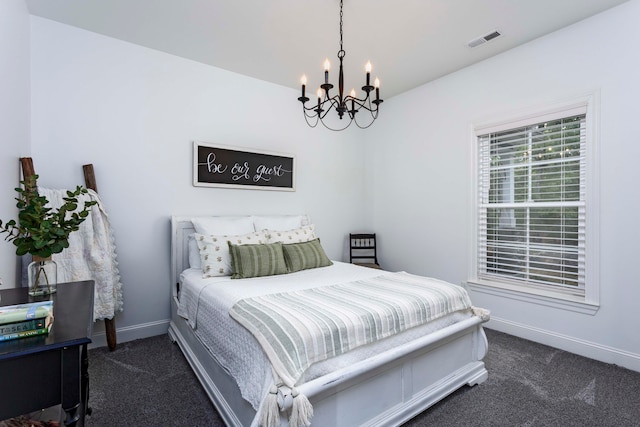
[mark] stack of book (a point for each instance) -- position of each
(25, 320)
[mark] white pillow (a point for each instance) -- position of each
(223, 225)
(297, 235)
(194, 252)
(214, 251)
(278, 222)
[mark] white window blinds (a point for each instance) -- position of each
(531, 204)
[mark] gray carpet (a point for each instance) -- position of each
(149, 383)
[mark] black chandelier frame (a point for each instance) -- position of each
(348, 105)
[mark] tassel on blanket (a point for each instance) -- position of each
(270, 413)
(301, 411)
(481, 313)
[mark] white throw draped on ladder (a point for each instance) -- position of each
(91, 254)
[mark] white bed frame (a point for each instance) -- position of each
(384, 390)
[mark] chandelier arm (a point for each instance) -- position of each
(313, 108)
(323, 111)
(336, 101)
(326, 98)
(333, 101)
(361, 103)
(364, 106)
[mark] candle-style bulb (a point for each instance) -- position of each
(376, 83)
(327, 65)
(353, 102)
(319, 93)
(367, 67)
(303, 80)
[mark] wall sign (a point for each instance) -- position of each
(220, 166)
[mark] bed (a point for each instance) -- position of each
(381, 383)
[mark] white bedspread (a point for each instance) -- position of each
(205, 303)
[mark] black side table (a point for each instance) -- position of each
(42, 371)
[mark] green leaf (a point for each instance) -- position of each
(41, 230)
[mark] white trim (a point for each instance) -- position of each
(589, 104)
(546, 298)
(555, 110)
(592, 255)
(130, 333)
(574, 345)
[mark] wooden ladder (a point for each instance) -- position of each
(90, 182)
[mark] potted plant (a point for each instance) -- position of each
(42, 231)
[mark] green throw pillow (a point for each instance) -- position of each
(303, 256)
(256, 260)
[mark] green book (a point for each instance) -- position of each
(28, 311)
(26, 325)
(24, 334)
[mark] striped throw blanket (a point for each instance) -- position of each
(298, 328)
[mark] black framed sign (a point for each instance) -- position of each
(222, 166)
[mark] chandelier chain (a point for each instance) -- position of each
(341, 53)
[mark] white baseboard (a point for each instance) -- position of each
(130, 333)
(564, 342)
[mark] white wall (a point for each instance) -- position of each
(14, 119)
(422, 209)
(133, 112)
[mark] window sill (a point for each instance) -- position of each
(534, 296)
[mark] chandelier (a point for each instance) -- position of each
(349, 105)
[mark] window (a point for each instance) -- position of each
(532, 203)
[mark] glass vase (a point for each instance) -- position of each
(42, 276)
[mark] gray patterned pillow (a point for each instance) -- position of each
(257, 260)
(297, 235)
(303, 256)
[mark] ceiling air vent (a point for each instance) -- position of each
(483, 39)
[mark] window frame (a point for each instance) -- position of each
(589, 302)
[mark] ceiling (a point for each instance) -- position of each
(409, 42)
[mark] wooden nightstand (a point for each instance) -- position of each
(42, 371)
